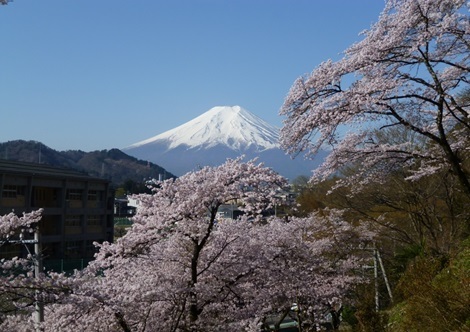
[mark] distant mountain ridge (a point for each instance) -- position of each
(220, 133)
(113, 164)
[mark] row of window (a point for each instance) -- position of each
(76, 249)
(14, 195)
(13, 191)
(51, 225)
(77, 195)
(76, 220)
(71, 249)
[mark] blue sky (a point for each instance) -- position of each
(103, 74)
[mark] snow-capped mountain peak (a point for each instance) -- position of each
(220, 133)
(231, 126)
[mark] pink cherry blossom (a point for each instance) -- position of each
(180, 268)
(405, 74)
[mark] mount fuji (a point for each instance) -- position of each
(220, 133)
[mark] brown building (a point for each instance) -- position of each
(78, 209)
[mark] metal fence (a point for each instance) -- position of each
(122, 221)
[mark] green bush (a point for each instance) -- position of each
(435, 293)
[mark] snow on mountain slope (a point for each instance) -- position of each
(233, 127)
(220, 133)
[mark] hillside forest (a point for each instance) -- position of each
(122, 170)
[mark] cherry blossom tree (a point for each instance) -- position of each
(177, 266)
(11, 223)
(309, 262)
(407, 72)
(16, 290)
(23, 289)
(249, 271)
(180, 268)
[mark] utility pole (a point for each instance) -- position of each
(387, 284)
(376, 282)
(378, 263)
(38, 268)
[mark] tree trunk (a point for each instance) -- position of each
(193, 307)
(122, 322)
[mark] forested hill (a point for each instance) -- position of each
(112, 164)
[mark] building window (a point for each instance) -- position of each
(95, 220)
(73, 224)
(73, 249)
(12, 191)
(9, 251)
(95, 198)
(45, 197)
(74, 198)
(95, 224)
(74, 194)
(73, 220)
(13, 196)
(92, 195)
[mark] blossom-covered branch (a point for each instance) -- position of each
(406, 73)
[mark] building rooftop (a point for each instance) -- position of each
(25, 168)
